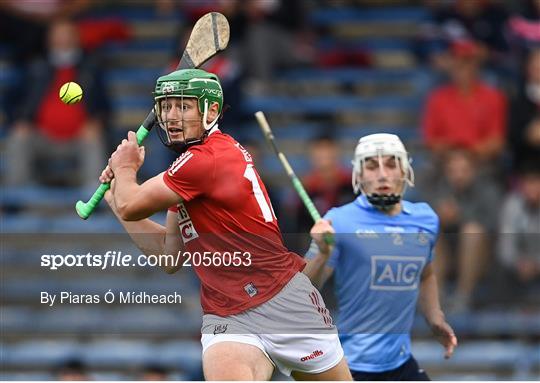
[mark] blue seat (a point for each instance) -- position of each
(379, 44)
(186, 355)
(9, 75)
(98, 223)
(406, 133)
(465, 376)
(420, 80)
(23, 290)
(39, 353)
(353, 75)
(299, 163)
(495, 323)
(30, 223)
(305, 132)
(158, 320)
(534, 355)
(40, 196)
(327, 16)
(133, 13)
(109, 376)
(140, 45)
(472, 354)
(132, 102)
(116, 352)
(71, 319)
(26, 376)
(130, 75)
(16, 319)
(334, 104)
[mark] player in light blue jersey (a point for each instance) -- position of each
(382, 263)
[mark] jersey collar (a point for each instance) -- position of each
(364, 204)
(214, 129)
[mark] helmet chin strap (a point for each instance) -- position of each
(383, 201)
(181, 147)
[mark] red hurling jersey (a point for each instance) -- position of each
(228, 226)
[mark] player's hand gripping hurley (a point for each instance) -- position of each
(209, 36)
(267, 131)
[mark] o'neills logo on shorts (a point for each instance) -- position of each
(251, 289)
(313, 355)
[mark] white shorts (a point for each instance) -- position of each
(293, 329)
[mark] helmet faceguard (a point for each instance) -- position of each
(188, 83)
(377, 146)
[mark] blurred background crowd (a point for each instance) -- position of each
(457, 80)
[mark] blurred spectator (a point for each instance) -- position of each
(524, 27)
(343, 55)
(467, 113)
(524, 122)
(58, 136)
(154, 373)
(23, 23)
(328, 183)
(466, 205)
(72, 370)
(480, 20)
(519, 228)
(278, 23)
(276, 37)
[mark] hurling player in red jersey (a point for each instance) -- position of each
(260, 311)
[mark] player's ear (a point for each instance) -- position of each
(213, 112)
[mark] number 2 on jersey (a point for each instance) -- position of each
(266, 209)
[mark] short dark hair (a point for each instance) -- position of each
(325, 137)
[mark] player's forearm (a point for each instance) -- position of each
(148, 236)
(125, 195)
(315, 270)
(151, 238)
(154, 239)
(429, 300)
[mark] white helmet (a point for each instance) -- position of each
(379, 145)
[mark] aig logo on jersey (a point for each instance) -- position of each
(395, 272)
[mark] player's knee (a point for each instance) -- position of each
(339, 372)
(223, 372)
(234, 361)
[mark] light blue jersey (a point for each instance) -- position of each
(378, 262)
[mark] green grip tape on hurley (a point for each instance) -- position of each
(141, 134)
(85, 209)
